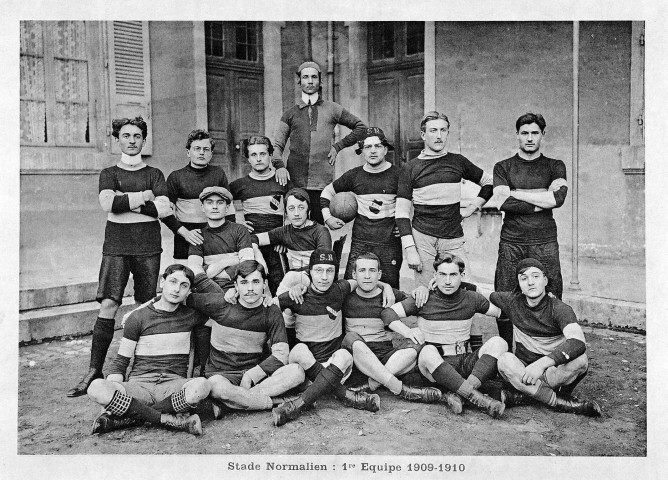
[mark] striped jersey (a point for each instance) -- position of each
(376, 195)
(362, 315)
(318, 321)
(444, 319)
(538, 330)
(300, 242)
(521, 224)
(434, 187)
(239, 334)
(132, 224)
(184, 186)
(262, 201)
(159, 341)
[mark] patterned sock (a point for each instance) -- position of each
(124, 405)
(545, 394)
(483, 370)
(327, 380)
(103, 334)
(446, 376)
(175, 403)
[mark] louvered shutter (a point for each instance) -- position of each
(130, 75)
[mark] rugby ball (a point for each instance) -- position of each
(344, 206)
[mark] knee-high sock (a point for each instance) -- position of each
(568, 389)
(202, 337)
(483, 370)
(446, 376)
(545, 394)
(175, 403)
(103, 334)
(328, 380)
(124, 405)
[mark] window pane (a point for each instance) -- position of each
(31, 38)
(33, 87)
(381, 40)
(33, 122)
(246, 38)
(32, 78)
(69, 39)
(214, 38)
(414, 37)
(71, 124)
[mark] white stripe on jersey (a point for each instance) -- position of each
(438, 194)
(446, 332)
(317, 328)
(298, 258)
(234, 340)
(189, 210)
(263, 205)
(540, 345)
(370, 329)
(177, 343)
(376, 205)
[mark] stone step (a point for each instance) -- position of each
(43, 297)
(77, 319)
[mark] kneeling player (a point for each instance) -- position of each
(549, 358)
(241, 375)
(158, 335)
(318, 325)
(444, 323)
(367, 339)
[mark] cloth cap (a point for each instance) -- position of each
(223, 192)
(322, 256)
(308, 65)
(527, 263)
(372, 132)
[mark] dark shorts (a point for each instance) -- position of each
(153, 387)
(510, 255)
(275, 273)
(390, 255)
(316, 211)
(463, 362)
(115, 272)
(234, 377)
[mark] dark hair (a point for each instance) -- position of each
(247, 267)
(449, 258)
(528, 118)
(256, 140)
(367, 256)
(433, 115)
(177, 267)
(299, 81)
(199, 134)
(119, 123)
(300, 194)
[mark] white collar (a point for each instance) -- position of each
(134, 162)
(313, 98)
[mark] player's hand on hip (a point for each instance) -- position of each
(331, 156)
(416, 335)
(413, 259)
(421, 295)
(334, 223)
(280, 249)
(248, 224)
(282, 176)
(396, 232)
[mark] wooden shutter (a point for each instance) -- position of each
(130, 75)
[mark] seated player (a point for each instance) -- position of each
(318, 325)
(158, 336)
(370, 343)
(301, 237)
(549, 358)
(444, 324)
(184, 186)
(241, 375)
(261, 200)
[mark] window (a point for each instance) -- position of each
(54, 87)
(233, 40)
(397, 41)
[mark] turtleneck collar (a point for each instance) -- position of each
(128, 162)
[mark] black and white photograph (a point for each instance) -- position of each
(336, 240)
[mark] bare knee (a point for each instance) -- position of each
(429, 358)
(342, 359)
(197, 389)
(108, 308)
(580, 364)
(100, 391)
(507, 364)
(295, 372)
(218, 387)
(495, 346)
(302, 355)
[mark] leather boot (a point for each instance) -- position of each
(285, 412)
(453, 402)
(492, 407)
(568, 404)
(184, 423)
(81, 387)
(513, 398)
(420, 394)
(279, 399)
(107, 422)
(362, 400)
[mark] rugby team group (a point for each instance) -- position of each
(254, 290)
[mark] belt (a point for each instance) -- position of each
(458, 348)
